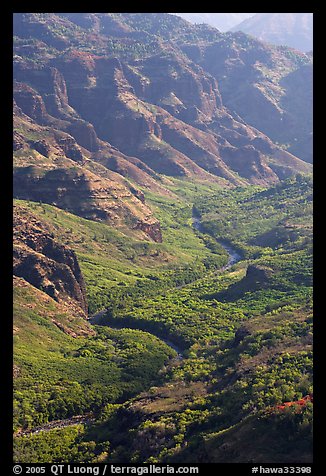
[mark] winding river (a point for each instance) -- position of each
(96, 318)
(234, 257)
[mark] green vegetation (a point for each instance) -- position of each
(278, 217)
(190, 351)
(71, 375)
(59, 445)
(246, 335)
(202, 309)
(117, 268)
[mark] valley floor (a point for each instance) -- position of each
(194, 356)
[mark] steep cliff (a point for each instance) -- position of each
(153, 96)
(50, 166)
(46, 264)
(270, 87)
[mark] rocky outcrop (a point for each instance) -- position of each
(39, 308)
(30, 102)
(142, 103)
(258, 274)
(84, 134)
(152, 229)
(16, 371)
(88, 195)
(157, 107)
(51, 107)
(249, 163)
(46, 264)
(40, 146)
(54, 278)
(179, 86)
(271, 78)
(70, 148)
(18, 141)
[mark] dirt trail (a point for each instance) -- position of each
(85, 419)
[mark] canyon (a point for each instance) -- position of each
(162, 242)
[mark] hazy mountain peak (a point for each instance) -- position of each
(290, 29)
(222, 21)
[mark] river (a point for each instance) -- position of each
(97, 318)
(234, 257)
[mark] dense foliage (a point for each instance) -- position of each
(70, 375)
(245, 332)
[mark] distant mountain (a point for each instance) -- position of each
(289, 29)
(108, 104)
(222, 21)
(149, 155)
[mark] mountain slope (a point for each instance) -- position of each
(63, 368)
(162, 242)
(248, 340)
(246, 334)
(289, 29)
(46, 263)
(140, 108)
(50, 166)
(260, 83)
(221, 21)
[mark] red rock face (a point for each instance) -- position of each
(30, 102)
(46, 264)
(91, 196)
(113, 98)
(84, 135)
(159, 112)
(151, 229)
(249, 163)
(262, 85)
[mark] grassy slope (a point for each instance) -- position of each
(226, 379)
(60, 374)
(242, 376)
(112, 262)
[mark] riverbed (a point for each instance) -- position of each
(234, 257)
